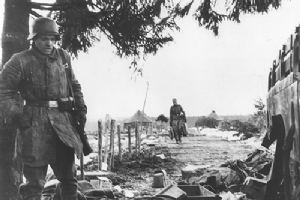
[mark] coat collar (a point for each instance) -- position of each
(38, 54)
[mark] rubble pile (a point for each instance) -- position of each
(133, 177)
(152, 173)
(234, 178)
(139, 170)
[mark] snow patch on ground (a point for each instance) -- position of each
(194, 131)
(225, 135)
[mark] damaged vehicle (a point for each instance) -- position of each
(283, 113)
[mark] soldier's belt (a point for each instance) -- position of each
(49, 104)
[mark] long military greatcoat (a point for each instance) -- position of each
(38, 77)
(175, 112)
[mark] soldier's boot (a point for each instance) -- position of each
(29, 191)
(35, 176)
(68, 190)
(180, 138)
(176, 137)
(171, 134)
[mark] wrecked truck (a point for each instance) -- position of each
(283, 121)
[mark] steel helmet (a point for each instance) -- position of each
(42, 26)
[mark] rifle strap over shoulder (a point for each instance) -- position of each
(67, 65)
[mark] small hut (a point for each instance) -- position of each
(214, 115)
(139, 118)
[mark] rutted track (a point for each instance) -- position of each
(204, 150)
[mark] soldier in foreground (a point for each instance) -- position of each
(177, 119)
(53, 107)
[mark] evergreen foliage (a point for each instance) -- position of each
(162, 118)
(206, 122)
(259, 118)
(137, 28)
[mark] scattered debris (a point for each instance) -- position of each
(233, 196)
(232, 174)
(171, 192)
(161, 156)
(134, 176)
(193, 170)
(101, 183)
(255, 188)
(198, 192)
(187, 192)
(159, 179)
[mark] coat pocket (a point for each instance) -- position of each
(25, 119)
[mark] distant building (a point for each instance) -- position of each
(140, 119)
(214, 115)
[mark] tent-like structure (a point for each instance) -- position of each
(214, 115)
(140, 118)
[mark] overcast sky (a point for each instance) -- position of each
(226, 73)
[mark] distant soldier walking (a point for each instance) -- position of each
(177, 120)
(44, 78)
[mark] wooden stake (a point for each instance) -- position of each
(139, 139)
(129, 141)
(112, 127)
(106, 133)
(100, 128)
(136, 138)
(81, 167)
(120, 143)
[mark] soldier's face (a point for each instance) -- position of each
(45, 43)
(174, 101)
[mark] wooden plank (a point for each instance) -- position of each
(289, 44)
(283, 51)
(100, 128)
(296, 63)
(288, 62)
(278, 60)
(89, 174)
(278, 73)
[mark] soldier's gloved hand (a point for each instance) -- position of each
(80, 115)
(80, 118)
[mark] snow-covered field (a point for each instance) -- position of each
(226, 135)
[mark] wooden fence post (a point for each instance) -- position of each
(139, 141)
(112, 130)
(120, 142)
(100, 128)
(136, 138)
(129, 140)
(106, 134)
(81, 167)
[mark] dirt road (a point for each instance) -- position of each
(194, 150)
(204, 150)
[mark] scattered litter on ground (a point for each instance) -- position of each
(158, 164)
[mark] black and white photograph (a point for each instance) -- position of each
(150, 100)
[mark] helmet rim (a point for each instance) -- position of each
(43, 26)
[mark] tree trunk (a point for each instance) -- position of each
(15, 31)
(15, 28)
(71, 25)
